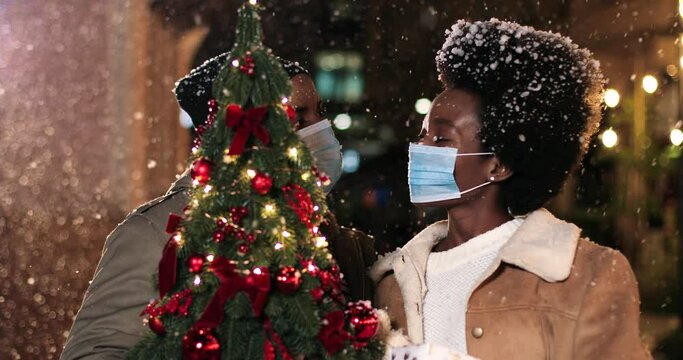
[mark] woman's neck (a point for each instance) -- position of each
(468, 221)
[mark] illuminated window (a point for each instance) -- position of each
(339, 76)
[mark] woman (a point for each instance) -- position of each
(503, 278)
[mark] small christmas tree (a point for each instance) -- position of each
(246, 274)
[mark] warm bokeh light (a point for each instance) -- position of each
(423, 105)
(650, 84)
(611, 97)
(676, 137)
(609, 138)
(342, 121)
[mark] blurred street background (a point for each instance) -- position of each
(89, 129)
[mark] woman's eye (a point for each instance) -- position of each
(438, 139)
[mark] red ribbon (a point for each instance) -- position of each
(173, 223)
(268, 350)
(167, 267)
(245, 123)
(256, 286)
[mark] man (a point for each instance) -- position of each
(108, 323)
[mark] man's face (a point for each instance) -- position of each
(306, 101)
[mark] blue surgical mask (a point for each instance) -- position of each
(431, 173)
(325, 149)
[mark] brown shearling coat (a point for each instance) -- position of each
(553, 295)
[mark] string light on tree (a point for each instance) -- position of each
(292, 153)
(321, 241)
(178, 239)
(269, 209)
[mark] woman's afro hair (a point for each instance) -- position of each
(541, 99)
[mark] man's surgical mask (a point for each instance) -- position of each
(325, 149)
(431, 173)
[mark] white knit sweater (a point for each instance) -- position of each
(452, 276)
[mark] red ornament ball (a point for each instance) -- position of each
(288, 279)
(218, 236)
(243, 248)
(363, 320)
(201, 344)
(195, 263)
(261, 183)
(201, 171)
(156, 325)
(317, 293)
(251, 238)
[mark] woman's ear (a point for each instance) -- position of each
(499, 171)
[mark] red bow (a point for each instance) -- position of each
(246, 123)
(256, 286)
(332, 334)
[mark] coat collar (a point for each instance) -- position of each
(183, 183)
(543, 245)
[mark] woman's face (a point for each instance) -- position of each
(453, 121)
